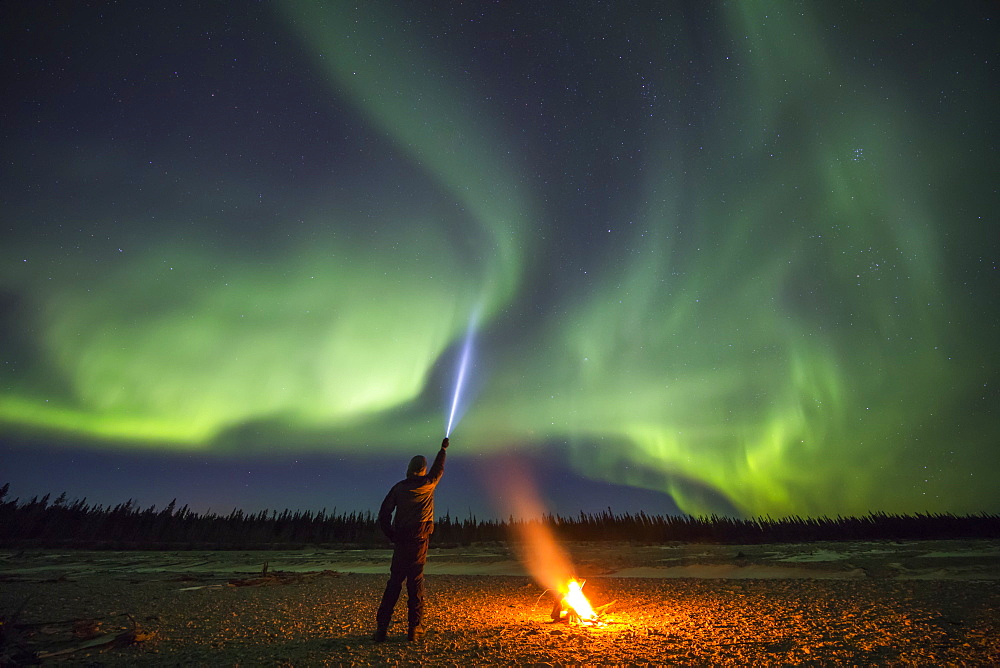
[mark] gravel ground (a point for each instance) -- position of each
(323, 618)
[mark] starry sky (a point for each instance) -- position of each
(707, 257)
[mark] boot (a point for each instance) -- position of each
(415, 634)
(379, 635)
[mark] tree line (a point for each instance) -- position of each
(43, 522)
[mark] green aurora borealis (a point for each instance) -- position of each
(744, 250)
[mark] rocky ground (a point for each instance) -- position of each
(117, 609)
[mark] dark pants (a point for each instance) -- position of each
(408, 561)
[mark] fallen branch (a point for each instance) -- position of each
(280, 578)
(109, 639)
(13, 648)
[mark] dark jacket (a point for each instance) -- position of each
(413, 501)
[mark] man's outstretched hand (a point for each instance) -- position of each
(444, 443)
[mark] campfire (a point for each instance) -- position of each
(574, 608)
(542, 554)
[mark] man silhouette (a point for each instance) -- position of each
(410, 530)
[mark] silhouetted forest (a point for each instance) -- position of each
(76, 524)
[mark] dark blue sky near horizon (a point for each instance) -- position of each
(336, 483)
(708, 257)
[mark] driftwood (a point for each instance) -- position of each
(102, 641)
(81, 634)
(278, 578)
(13, 646)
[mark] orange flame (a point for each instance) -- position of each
(581, 606)
(547, 562)
(537, 548)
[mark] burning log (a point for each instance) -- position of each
(574, 608)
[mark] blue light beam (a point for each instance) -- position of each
(463, 368)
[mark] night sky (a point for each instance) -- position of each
(714, 257)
